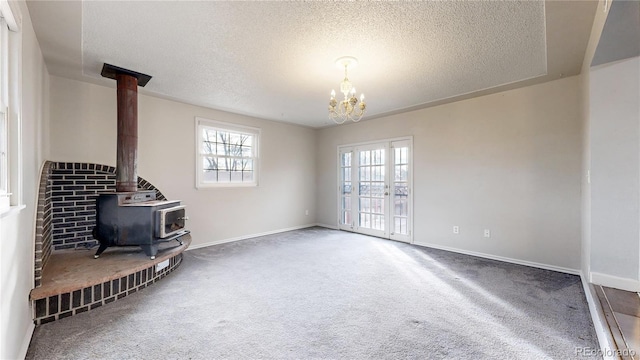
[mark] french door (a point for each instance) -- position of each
(374, 189)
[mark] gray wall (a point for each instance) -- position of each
(509, 162)
(83, 129)
(29, 102)
(614, 136)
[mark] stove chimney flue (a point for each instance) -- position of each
(127, 143)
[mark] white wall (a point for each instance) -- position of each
(17, 229)
(509, 162)
(83, 129)
(585, 258)
(614, 136)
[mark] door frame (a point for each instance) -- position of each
(388, 163)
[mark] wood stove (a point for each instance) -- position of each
(137, 218)
(131, 216)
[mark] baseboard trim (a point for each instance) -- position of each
(245, 237)
(24, 347)
(614, 282)
(332, 227)
(603, 333)
(502, 258)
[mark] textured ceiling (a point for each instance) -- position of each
(275, 60)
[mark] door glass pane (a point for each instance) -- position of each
(365, 173)
(365, 157)
(365, 205)
(346, 187)
(346, 217)
(377, 189)
(346, 173)
(371, 178)
(401, 190)
(346, 159)
(346, 202)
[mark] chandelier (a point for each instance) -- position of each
(346, 109)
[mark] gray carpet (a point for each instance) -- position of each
(319, 293)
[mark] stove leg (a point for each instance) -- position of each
(150, 250)
(102, 247)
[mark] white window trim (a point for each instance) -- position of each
(200, 123)
(10, 101)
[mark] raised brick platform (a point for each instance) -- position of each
(75, 282)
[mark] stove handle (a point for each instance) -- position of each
(183, 218)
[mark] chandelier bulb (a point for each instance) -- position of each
(333, 94)
(361, 97)
(353, 91)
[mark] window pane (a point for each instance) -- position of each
(235, 139)
(377, 157)
(346, 159)
(365, 220)
(346, 188)
(346, 217)
(346, 174)
(365, 205)
(346, 203)
(235, 150)
(236, 176)
(208, 143)
(377, 222)
(377, 205)
(401, 190)
(210, 176)
(224, 176)
(247, 164)
(365, 173)
(209, 163)
(401, 207)
(377, 173)
(377, 189)
(365, 157)
(400, 226)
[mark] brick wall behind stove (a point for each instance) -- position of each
(74, 190)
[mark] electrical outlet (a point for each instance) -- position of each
(487, 233)
(456, 229)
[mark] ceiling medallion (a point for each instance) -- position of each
(346, 109)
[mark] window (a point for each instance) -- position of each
(227, 154)
(10, 136)
(4, 123)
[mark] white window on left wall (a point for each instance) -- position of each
(4, 163)
(10, 107)
(226, 154)
(4, 121)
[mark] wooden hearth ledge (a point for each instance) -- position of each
(71, 270)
